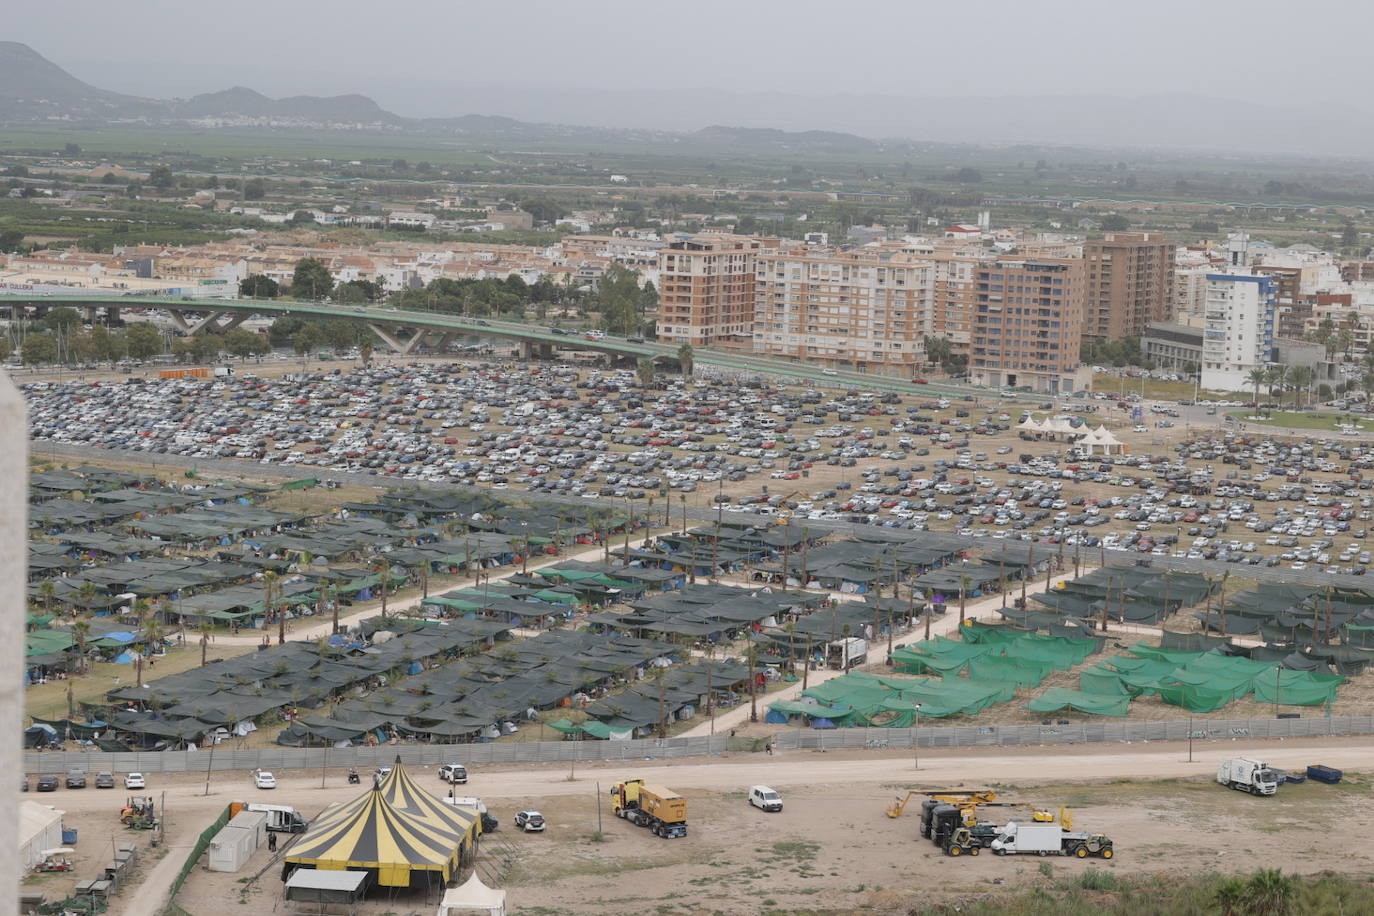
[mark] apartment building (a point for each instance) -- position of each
(866, 308)
(1130, 283)
(706, 290)
(1238, 333)
(1027, 325)
(1238, 321)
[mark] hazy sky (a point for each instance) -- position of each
(412, 55)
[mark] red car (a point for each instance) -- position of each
(920, 381)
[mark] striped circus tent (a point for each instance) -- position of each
(402, 793)
(400, 849)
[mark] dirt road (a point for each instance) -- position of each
(832, 838)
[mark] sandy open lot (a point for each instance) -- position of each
(831, 850)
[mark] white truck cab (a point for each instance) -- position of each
(1247, 775)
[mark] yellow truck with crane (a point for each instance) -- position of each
(662, 810)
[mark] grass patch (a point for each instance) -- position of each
(1306, 419)
(1155, 388)
(49, 701)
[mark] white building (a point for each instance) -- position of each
(1238, 330)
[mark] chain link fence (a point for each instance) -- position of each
(225, 758)
(1073, 733)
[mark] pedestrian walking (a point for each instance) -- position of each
(271, 842)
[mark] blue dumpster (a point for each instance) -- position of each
(68, 836)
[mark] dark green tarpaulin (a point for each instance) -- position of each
(1057, 698)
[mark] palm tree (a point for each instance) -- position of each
(380, 568)
(268, 578)
(151, 635)
(1257, 377)
(81, 629)
(1344, 341)
(46, 590)
(1276, 377)
(660, 675)
(141, 608)
(645, 370)
(685, 358)
(1300, 377)
(331, 595)
(86, 595)
(1367, 384)
(964, 583)
(205, 630)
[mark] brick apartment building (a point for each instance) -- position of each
(1130, 283)
(861, 308)
(1027, 325)
(706, 290)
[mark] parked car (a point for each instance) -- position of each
(134, 781)
(530, 821)
(454, 773)
(48, 783)
(104, 780)
(264, 780)
(76, 779)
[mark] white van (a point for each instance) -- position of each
(765, 798)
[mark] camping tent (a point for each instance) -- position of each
(40, 829)
(473, 897)
(400, 849)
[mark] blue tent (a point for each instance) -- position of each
(775, 718)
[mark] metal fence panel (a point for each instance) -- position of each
(223, 759)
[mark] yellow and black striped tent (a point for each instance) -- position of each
(370, 833)
(403, 793)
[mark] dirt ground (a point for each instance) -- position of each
(831, 850)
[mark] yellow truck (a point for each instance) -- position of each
(661, 810)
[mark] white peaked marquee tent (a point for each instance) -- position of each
(473, 898)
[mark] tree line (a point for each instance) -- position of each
(619, 301)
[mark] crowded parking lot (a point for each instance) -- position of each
(745, 447)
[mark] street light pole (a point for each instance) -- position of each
(916, 739)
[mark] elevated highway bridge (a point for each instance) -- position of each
(406, 331)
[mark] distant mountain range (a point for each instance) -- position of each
(33, 88)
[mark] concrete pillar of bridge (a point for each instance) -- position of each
(545, 351)
(208, 323)
(112, 315)
(179, 320)
(527, 349)
(387, 337)
(90, 314)
(414, 342)
(444, 340)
